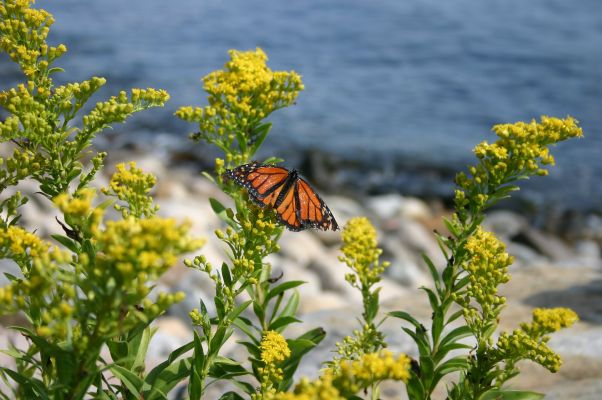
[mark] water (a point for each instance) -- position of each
(418, 79)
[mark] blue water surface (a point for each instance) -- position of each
(422, 79)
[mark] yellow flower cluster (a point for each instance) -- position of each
(520, 345)
(487, 267)
(363, 341)
(255, 239)
(320, 389)
(249, 88)
(274, 348)
(118, 108)
(360, 252)
(79, 211)
(18, 166)
(72, 96)
(521, 150)
(530, 341)
(132, 186)
(354, 376)
(548, 320)
(16, 242)
(351, 378)
(39, 263)
(241, 95)
(142, 248)
(23, 32)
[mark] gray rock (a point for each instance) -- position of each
(578, 341)
(343, 208)
(331, 273)
(505, 224)
(385, 206)
(196, 285)
(405, 268)
(8, 266)
(524, 256)
(548, 245)
(301, 247)
(419, 240)
(171, 334)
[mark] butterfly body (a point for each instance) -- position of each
(296, 204)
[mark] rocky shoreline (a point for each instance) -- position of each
(550, 270)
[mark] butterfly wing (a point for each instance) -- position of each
(311, 209)
(296, 204)
(264, 182)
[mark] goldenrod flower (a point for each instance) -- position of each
(132, 186)
(351, 377)
(241, 95)
(320, 389)
(522, 150)
(487, 267)
(360, 251)
(549, 320)
(361, 254)
(274, 348)
(354, 376)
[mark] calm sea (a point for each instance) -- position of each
(417, 79)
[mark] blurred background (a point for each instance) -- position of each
(400, 89)
(397, 94)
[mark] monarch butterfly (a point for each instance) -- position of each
(296, 204)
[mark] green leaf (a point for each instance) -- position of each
(245, 327)
(437, 326)
(195, 389)
(225, 369)
(220, 210)
(258, 310)
(226, 275)
(208, 176)
(232, 315)
(291, 305)
(70, 244)
(165, 377)
(406, 317)
(315, 335)
(242, 140)
(501, 394)
(139, 348)
(32, 388)
(260, 133)
(456, 334)
(54, 70)
(427, 368)
(128, 378)
(420, 340)
(281, 288)
(298, 347)
(455, 316)
(280, 323)
(199, 354)
(220, 337)
(450, 227)
(452, 365)
(432, 297)
(433, 271)
(244, 386)
(273, 160)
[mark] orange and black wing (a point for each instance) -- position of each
(296, 204)
(264, 182)
(311, 209)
